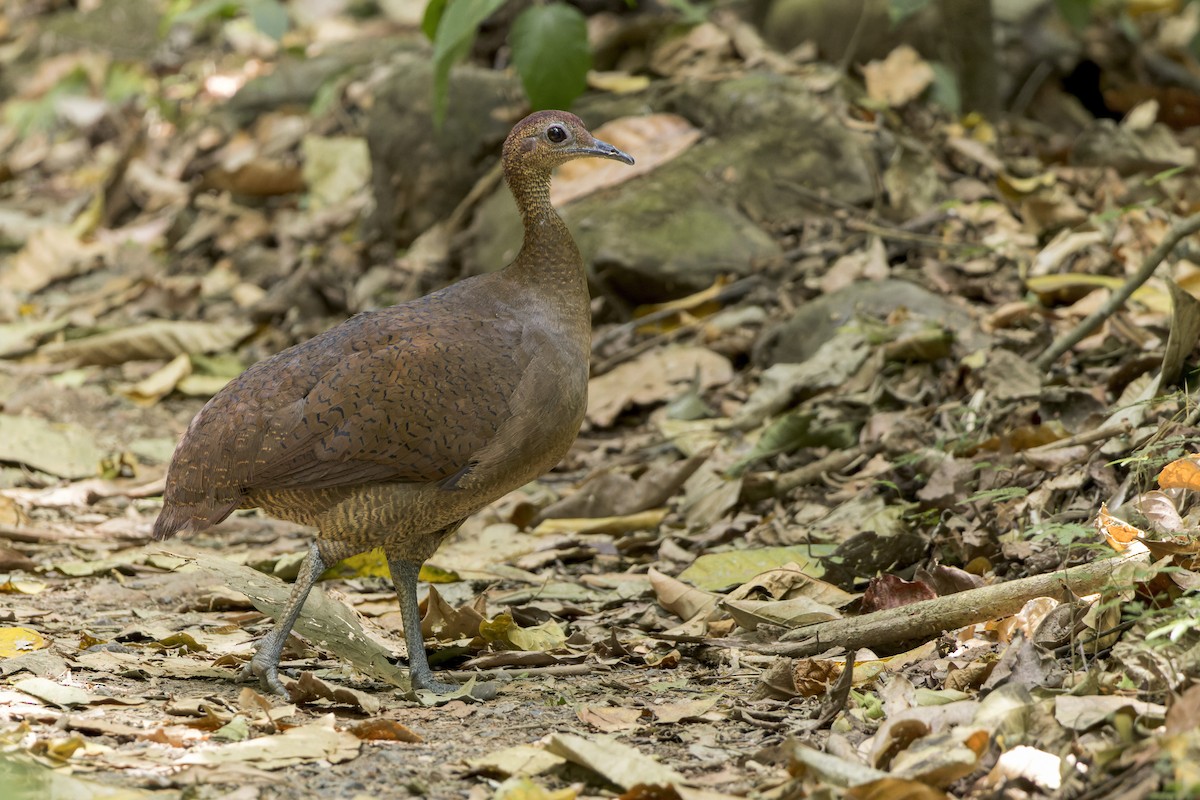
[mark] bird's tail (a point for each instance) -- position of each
(187, 509)
(179, 518)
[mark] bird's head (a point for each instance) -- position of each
(546, 139)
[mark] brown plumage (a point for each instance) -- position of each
(392, 428)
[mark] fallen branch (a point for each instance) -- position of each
(811, 473)
(514, 673)
(1100, 434)
(16, 533)
(930, 618)
(1093, 321)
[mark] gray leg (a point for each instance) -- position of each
(404, 578)
(265, 664)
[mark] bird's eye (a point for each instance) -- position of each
(556, 134)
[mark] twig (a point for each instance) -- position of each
(823, 200)
(899, 234)
(483, 188)
(1168, 70)
(733, 291)
(1064, 343)
(1029, 87)
(761, 719)
(837, 696)
(855, 38)
(810, 473)
(862, 221)
(1087, 437)
(635, 350)
(1192, 417)
(40, 535)
(511, 673)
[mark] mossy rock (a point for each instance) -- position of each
(660, 236)
(420, 172)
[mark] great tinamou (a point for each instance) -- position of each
(393, 427)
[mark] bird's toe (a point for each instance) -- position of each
(266, 675)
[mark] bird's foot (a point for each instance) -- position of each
(266, 674)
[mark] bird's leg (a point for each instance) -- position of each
(404, 578)
(265, 664)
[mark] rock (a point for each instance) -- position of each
(661, 236)
(771, 144)
(668, 238)
(296, 81)
(776, 141)
(127, 29)
(835, 26)
(817, 321)
(421, 173)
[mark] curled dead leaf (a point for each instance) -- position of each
(384, 730)
(1183, 473)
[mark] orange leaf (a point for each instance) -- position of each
(1181, 474)
(1117, 532)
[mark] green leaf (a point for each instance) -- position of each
(789, 432)
(204, 11)
(269, 16)
(455, 32)
(326, 97)
(944, 91)
(1077, 13)
(126, 81)
(690, 13)
(715, 572)
(41, 114)
(433, 16)
(1164, 175)
(551, 54)
(900, 10)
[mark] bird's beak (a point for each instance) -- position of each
(605, 150)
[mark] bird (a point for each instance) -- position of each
(393, 427)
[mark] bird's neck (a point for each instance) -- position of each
(549, 261)
(531, 189)
(548, 245)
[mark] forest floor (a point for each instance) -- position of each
(876, 519)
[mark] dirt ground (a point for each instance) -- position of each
(892, 408)
(695, 710)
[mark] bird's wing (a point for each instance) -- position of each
(416, 411)
(378, 398)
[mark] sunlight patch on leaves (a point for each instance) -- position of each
(18, 641)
